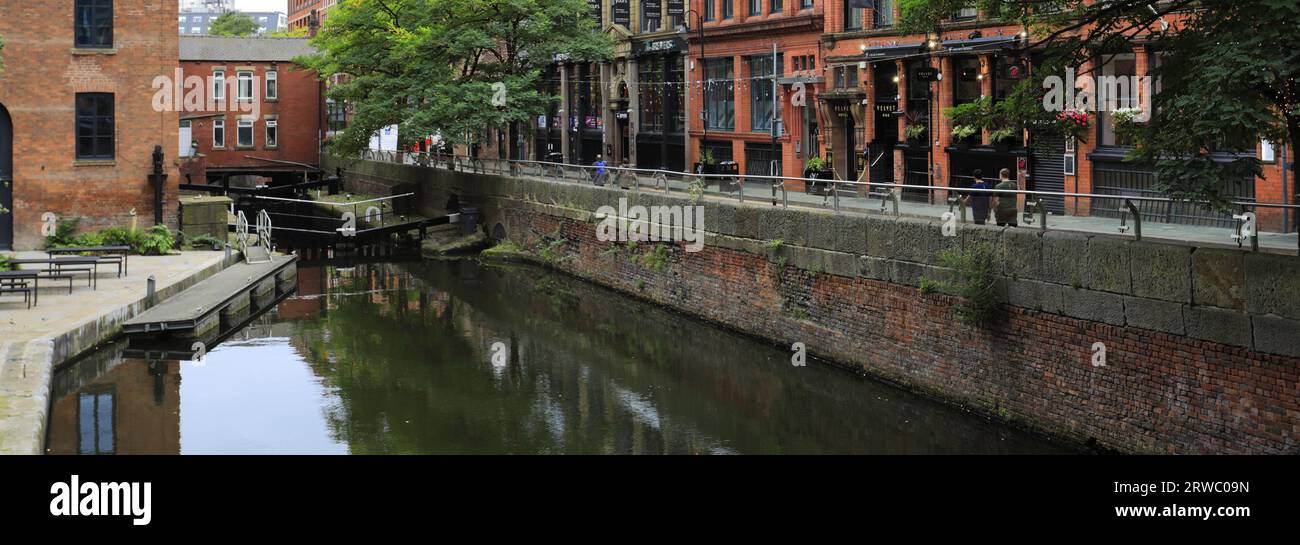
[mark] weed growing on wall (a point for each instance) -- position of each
(974, 280)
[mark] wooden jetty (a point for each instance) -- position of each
(227, 297)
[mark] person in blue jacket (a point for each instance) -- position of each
(600, 170)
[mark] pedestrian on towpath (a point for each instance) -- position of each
(979, 202)
(600, 170)
(1005, 210)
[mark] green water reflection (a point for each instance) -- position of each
(456, 357)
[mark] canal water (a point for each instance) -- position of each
(462, 357)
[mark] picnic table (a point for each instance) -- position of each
(111, 254)
(63, 267)
(16, 282)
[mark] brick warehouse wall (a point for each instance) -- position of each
(1202, 343)
(42, 74)
(299, 111)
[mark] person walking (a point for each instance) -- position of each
(1006, 209)
(979, 202)
(600, 170)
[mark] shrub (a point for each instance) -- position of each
(120, 236)
(63, 233)
(975, 114)
(202, 242)
(157, 240)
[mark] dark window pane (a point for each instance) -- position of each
(93, 22)
(94, 126)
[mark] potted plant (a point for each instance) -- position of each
(916, 133)
(1003, 138)
(814, 169)
(1126, 124)
(963, 134)
(707, 164)
(969, 119)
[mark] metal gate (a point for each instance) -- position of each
(1049, 169)
(758, 160)
(1114, 176)
(917, 173)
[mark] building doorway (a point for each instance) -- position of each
(6, 180)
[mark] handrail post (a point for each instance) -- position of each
(1137, 219)
(835, 196)
(1042, 214)
(895, 197)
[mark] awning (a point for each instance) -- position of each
(891, 52)
(807, 80)
(979, 45)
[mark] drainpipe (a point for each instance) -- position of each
(1286, 213)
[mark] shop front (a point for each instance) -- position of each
(842, 110)
(660, 140)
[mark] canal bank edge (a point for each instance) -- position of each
(29, 365)
(1203, 344)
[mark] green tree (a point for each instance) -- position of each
(1228, 74)
(233, 23)
(300, 32)
(453, 67)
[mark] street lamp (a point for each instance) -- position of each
(699, 20)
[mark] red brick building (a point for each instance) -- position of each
(78, 126)
(731, 77)
(873, 92)
(260, 114)
(300, 12)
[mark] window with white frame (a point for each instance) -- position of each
(218, 133)
(272, 85)
(272, 133)
(244, 133)
(218, 85)
(1070, 161)
(245, 85)
(1267, 152)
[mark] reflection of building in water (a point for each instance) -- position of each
(307, 301)
(110, 405)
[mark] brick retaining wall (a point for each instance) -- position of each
(1202, 344)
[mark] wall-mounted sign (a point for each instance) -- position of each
(596, 7)
(842, 109)
(621, 12)
(667, 45)
(927, 73)
(652, 8)
(887, 108)
(675, 8)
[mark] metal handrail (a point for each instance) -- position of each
(930, 188)
(892, 191)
